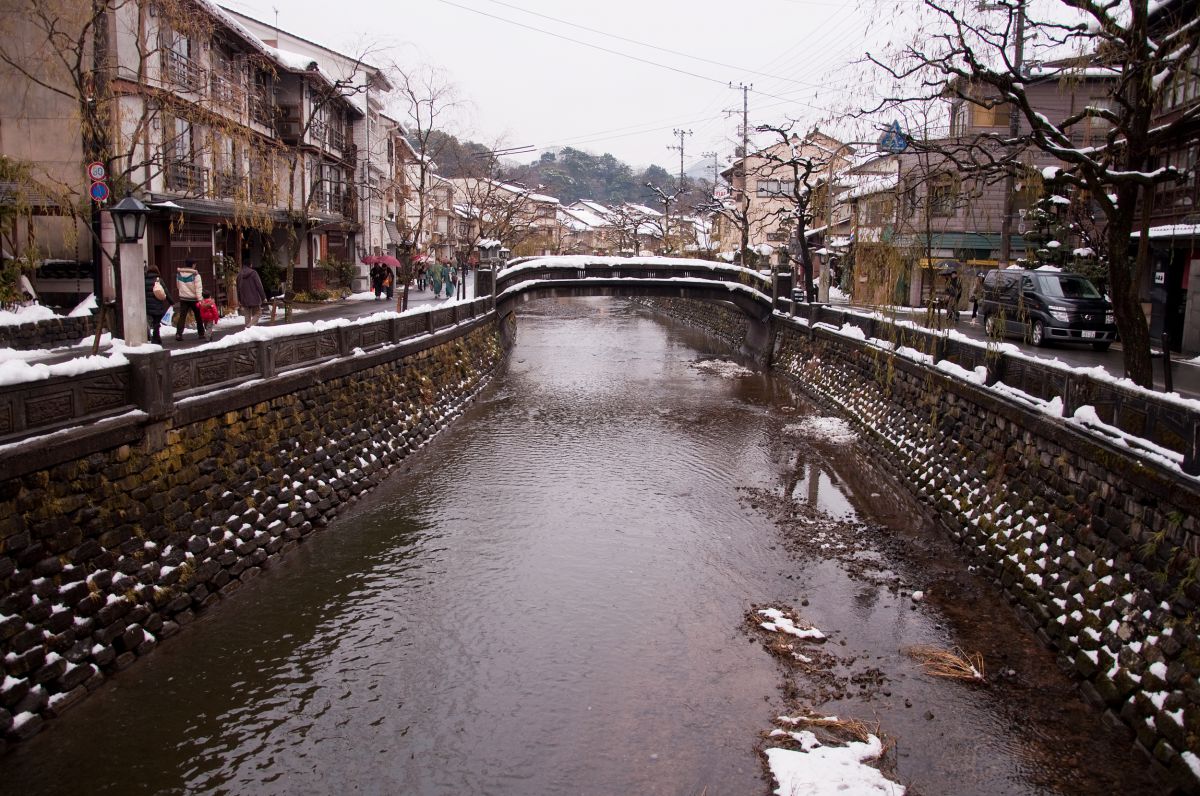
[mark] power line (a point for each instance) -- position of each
(652, 46)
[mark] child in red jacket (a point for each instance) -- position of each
(209, 313)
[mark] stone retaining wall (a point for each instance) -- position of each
(122, 542)
(1098, 549)
(49, 333)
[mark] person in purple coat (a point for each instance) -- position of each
(251, 295)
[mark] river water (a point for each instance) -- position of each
(552, 598)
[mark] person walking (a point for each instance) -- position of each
(156, 303)
(953, 294)
(378, 274)
(435, 278)
(252, 296)
(189, 289)
(209, 312)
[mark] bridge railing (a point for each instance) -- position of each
(577, 268)
(151, 382)
(1163, 420)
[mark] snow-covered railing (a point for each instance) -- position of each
(1166, 421)
(580, 268)
(39, 399)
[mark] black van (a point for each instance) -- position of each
(1046, 306)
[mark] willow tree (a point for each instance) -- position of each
(102, 80)
(976, 55)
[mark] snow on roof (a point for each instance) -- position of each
(582, 219)
(595, 207)
(868, 184)
(517, 189)
(648, 211)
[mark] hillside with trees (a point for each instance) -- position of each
(568, 174)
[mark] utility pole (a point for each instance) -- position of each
(745, 199)
(1014, 127)
(681, 134)
(715, 167)
(679, 189)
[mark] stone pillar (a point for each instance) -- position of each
(485, 281)
(150, 384)
(783, 290)
(134, 323)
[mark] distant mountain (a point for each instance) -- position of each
(567, 174)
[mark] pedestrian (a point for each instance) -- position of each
(156, 303)
(451, 279)
(953, 294)
(422, 277)
(189, 289)
(209, 313)
(378, 274)
(389, 281)
(975, 300)
(435, 278)
(251, 294)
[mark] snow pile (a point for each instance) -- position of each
(832, 429)
(29, 314)
(779, 623)
(723, 368)
(819, 770)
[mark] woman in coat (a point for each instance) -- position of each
(156, 303)
(251, 295)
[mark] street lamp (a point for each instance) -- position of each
(129, 220)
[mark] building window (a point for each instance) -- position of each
(941, 196)
(1185, 88)
(995, 116)
(775, 187)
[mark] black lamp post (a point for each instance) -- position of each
(129, 219)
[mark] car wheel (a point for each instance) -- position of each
(1102, 346)
(1037, 334)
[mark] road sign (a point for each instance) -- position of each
(99, 191)
(893, 140)
(97, 171)
(720, 192)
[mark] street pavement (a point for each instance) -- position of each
(1185, 373)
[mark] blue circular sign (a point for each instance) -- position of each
(99, 191)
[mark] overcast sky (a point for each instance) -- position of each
(539, 82)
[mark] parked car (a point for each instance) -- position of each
(1045, 306)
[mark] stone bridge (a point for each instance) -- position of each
(755, 295)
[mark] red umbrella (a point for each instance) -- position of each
(370, 259)
(388, 259)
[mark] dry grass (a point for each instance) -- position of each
(845, 728)
(953, 664)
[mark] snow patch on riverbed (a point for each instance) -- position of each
(723, 368)
(831, 770)
(831, 429)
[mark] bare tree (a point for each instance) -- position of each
(428, 98)
(793, 169)
(1147, 47)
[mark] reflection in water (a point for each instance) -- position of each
(550, 599)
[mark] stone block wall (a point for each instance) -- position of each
(104, 554)
(49, 333)
(1098, 549)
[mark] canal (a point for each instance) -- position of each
(554, 597)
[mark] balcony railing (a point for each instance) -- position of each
(186, 177)
(333, 198)
(262, 110)
(287, 123)
(226, 91)
(337, 138)
(228, 184)
(184, 72)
